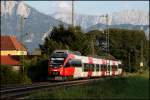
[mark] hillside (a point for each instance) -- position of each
(100, 26)
(36, 24)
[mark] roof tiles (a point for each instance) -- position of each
(10, 60)
(11, 43)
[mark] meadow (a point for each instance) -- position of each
(131, 86)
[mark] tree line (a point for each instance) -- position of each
(124, 44)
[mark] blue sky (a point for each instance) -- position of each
(88, 7)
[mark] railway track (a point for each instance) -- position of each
(24, 90)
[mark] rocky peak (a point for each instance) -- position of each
(8, 7)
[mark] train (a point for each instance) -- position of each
(68, 65)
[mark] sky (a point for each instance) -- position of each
(88, 7)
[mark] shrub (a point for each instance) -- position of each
(38, 70)
(8, 76)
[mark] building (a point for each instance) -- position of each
(11, 51)
(12, 61)
(11, 46)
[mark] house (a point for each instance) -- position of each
(11, 50)
(11, 46)
(12, 61)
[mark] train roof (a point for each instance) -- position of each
(83, 58)
(86, 59)
(68, 52)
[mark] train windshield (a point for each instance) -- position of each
(57, 59)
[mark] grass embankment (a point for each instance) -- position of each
(133, 86)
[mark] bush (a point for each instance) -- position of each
(8, 76)
(38, 71)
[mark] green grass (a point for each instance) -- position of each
(134, 86)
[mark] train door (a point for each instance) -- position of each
(114, 70)
(100, 68)
(85, 70)
(77, 64)
(90, 70)
(103, 69)
(120, 69)
(108, 68)
(97, 69)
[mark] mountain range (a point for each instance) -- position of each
(101, 27)
(126, 19)
(37, 25)
(132, 16)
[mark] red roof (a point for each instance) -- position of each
(11, 43)
(10, 60)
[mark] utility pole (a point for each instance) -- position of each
(21, 39)
(129, 62)
(107, 43)
(107, 35)
(141, 63)
(73, 13)
(92, 45)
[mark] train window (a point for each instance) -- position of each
(86, 67)
(92, 67)
(103, 67)
(97, 67)
(67, 64)
(120, 66)
(114, 67)
(74, 62)
(108, 68)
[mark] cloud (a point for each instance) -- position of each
(65, 6)
(62, 6)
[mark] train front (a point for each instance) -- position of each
(55, 66)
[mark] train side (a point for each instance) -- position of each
(72, 66)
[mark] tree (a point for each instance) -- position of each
(122, 42)
(71, 38)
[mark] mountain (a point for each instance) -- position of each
(101, 27)
(127, 19)
(131, 16)
(36, 24)
(84, 21)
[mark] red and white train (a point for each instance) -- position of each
(64, 64)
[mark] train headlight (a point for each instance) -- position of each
(55, 73)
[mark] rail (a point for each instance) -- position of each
(21, 91)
